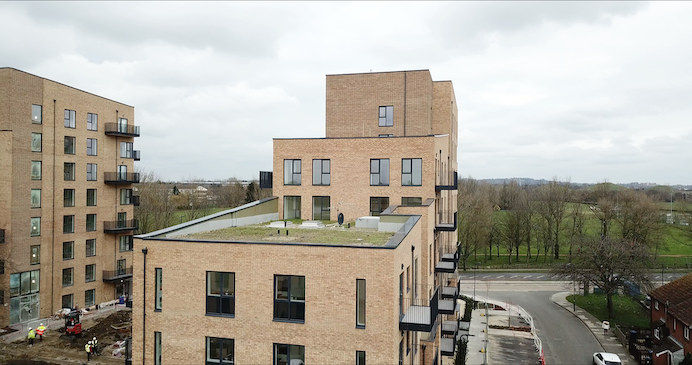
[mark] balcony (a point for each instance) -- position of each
(449, 258)
(450, 288)
(135, 200)
(117, 178)
(447, 182)
(448, 346)
(447, 306)
(122, 130)
(115, 275)
(120, 226)
(417, 314)
(136, 155)
(446, 221)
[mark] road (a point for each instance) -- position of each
(544, 276)
(566, 340)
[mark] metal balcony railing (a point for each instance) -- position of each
(447, 181)
(417, 314)
(448, 258)
(136, 155)
(446, 220)
(122, 130)
(120, 226)
(121, 177)
(118, 274)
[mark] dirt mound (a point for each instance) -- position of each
(28, 362)
(103, 330)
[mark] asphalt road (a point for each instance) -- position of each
(543, 276)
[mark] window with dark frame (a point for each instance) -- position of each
(360, 357)
(125, 196)
(125, 243)
(91, 197)
(67, 301)
(320, 208)
(35, 258)
(411, 172)
(360, 303)
(221, 293)
(291, 207)
(91, 172)
(35, 227)
(70, 143)
(411, 201)
(68, 224)
(68, 276)
(158, 290)
(89, 297)
(69, 171)
(92, 122)
(321, 172)
(386, 116)
(121, 266)
(35, 198)
(70, 118)
(35, 170)
(28, 282)
(292, 172)
(36, 142)
(89, 273)
(379, 172)
(36, 114)
(285, 354)
(220, 351)
(378, 204)
(90, 222)
(68, 198)
(92, 147)
(126, 149)
(68, 250)
(289, 298)
(157, 348)
(91, 247)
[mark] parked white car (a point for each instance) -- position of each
(606, 358)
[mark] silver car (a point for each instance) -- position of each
(606, 358)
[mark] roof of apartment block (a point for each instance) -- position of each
(678, 296)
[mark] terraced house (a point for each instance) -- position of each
(352, 261)
(66, 202)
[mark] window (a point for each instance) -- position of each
(360, 357)
(158, 290)
(686, 332)
(36, 142)
(35, 226)
(92, 121)
(379, 171)
(122, 125)
(91, 198)
(70, 117)
(68, 250)
(91, 172)
(221, 293)
(69, 171)
(35, 255)
(291, 172)
(68, 224)
(68, 197)
(656, 304)
(291, 207)
(121, 267)
(24, 283)
(411, 172)
(320, 172)
(122, 172)
(220, 351)
(386, 116)
(35, 170)
(67, 276)
(320, 208)
(35, 198)
(157, 348)
(36, 114)
(122, 219)
(411, 201)
(289, 298)
(360, 303)
(89, 273)
(92, 147)
(90, 247)
(90, 222)
(378, 205)
(126, 149)
(125, 243)
(89, 297)
(125, 196)
(67, 301)
(70, 143)
(289, 354)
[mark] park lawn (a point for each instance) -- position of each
(628, 312)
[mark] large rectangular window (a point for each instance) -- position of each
(35, 170)
(91, 198)
(411, 172)
(89, 273)
(68, 250)
(378, 205)
(285, 354)
(291, 207)
(125, 243)
(411, 201)
(360, 303)
(89, 297)
(220, 351)
(70, 143)
(24, 283)
(35, 226)
(158, 290)
(379, 171)
(35, 198)
(91, 247)
(68, 276)
(35, 255)
(157, 348)
(70, 117)
(360, 357)
(289, 298)
(68, 224)
(92, 121)
(91, 172)
(69, 171)
(36, 114)
(92, 147)
(36, 142)
(292, 172)
(386, 116)
(321, 172)
(67, 301)
(320, 208)
(68, 198)
(126, 149)
(90, 222)
(125, 196)
(221, 293)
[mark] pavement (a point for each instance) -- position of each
(608, 342)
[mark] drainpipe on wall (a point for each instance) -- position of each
(52, 238)
(144, 307)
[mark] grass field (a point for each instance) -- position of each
(627, 310)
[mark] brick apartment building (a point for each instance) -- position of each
(66, 202)
(388, 161)
(671, 321)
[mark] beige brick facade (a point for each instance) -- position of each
(18, 92)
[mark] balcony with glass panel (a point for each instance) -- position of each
(121, 130)
(119, 226)
(117, 178)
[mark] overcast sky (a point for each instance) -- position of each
(588, 91)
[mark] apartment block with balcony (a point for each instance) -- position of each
(381, 288)
(65, 228)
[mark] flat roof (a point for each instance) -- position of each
(366, 137)
(378, 72)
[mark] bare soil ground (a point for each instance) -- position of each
(58, 350)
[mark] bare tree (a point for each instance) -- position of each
(608, 263)
(155, 209)
(577, 221)
(551, 203)
(639, 219)
(513, 224)
(232, 193)
(474, 218)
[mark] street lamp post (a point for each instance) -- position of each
(475, 268)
